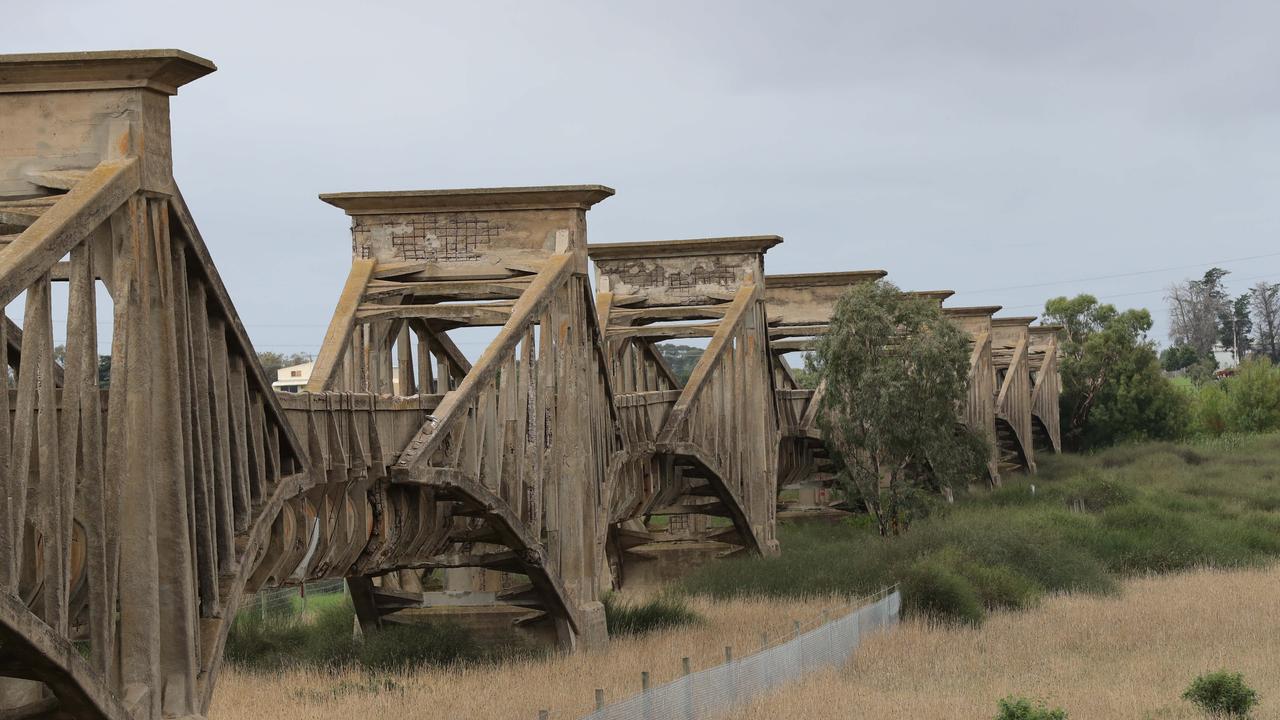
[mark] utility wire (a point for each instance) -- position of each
(1135, 293)
(1128, 274)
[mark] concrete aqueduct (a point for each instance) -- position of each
(136, 516)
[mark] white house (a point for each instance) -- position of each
(293, 378)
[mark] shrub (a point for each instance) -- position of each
(1222, 694)
(660, 613)
(1000, 587)
(1019, 708)
(1253, 395)
(1209, 409)
(934, 589)
(1096, 493)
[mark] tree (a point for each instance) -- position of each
(1196, 308)
(104, 364)
(272, 362)
(1112, 389)
(1264, 303)
(104, 371)
(805, 376)
(896, 372)
(681, 359)
(1177, 357)
(1236, 324)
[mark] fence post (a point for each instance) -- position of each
(544, 714)
(646, 707)
(732, 672)
(688, 689)
(599, 699)
(799, 649)
(826, 631)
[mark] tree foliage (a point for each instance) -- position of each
(681, 358)
(104, 364)
(1246, 402)
(805, 377)
(1236, 324)
(1112, 388)
(272, 362)
(1178, 357)
(1264, 305)
(1196, 309)
(896, 371)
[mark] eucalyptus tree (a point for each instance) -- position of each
(896, 373)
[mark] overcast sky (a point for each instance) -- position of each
(978, 146)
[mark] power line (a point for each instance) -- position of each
(1135, 293)
(1128, 274)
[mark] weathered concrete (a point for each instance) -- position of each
(527, 477)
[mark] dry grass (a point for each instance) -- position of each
(1127, 656)
(564, 684)
(1097, 657)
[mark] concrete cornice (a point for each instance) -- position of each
(830, 279)
(161, 70)
(551, 197)
(683, 248)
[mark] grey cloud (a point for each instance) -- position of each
(968, 145)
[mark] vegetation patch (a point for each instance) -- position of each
(1222, 694)
(660, 613)
(325, 640)
(1082, 524)
(1020, 708)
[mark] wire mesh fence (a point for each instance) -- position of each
(290, 600)
(712, 692)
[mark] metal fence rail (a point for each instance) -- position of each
(712, 692)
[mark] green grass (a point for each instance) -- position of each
(323, 639)
(1082, 524)
(660, 613)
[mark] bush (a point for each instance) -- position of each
(1095, 492)
(1222, 694)
(934, 589)
(1018, 708)
(1000, 587)
(1209, 409)
(1253, 395)
(660, 613)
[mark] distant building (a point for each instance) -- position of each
(293, 378)
(1225, 356)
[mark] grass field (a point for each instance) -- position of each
(515, 689)
(1124, 656)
